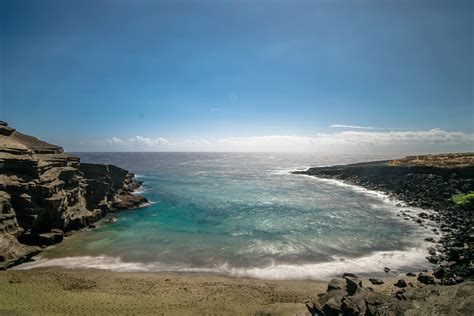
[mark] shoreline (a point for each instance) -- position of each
(53, 291)
(403, 265)
(322, 271)
(79, 291)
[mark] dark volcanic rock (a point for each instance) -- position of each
(336, 284)
(439, 272)
(425, 278)
(355, 300)
(45, 193)
(412, 300)
(352, 285)
(350, 275)
(401, 283)
(376, 281)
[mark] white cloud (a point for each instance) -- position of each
(352, 126)
(344, 142)
(350, 138)
(365, 127)
(433, 136)
(137, 140)
(268, 140)
(148, 141)
(114, 141)
(197, 141)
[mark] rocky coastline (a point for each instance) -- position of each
(441, 183)
(46, 194)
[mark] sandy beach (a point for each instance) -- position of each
(97, 292)
(94, 292)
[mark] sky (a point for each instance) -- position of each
(323, 76)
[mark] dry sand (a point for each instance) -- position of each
(94, 292)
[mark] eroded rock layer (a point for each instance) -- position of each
(45, 193)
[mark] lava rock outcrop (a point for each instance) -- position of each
(45, 193)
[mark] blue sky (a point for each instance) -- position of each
(240, 75)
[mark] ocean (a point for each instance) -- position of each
(245, 215)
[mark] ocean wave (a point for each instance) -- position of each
(377, 194)
(260, 247)
(288, 171)
(142, 176)
(407, 260)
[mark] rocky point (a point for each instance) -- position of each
(430, 182)
(46, 193)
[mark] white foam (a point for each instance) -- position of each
(288, 171)
(392, 201)
(141, 176)
(140, 190)
(411, 259)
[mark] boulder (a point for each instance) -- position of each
(353, 305)
(336, 284)
(401, 283)
(449, 281)
(44, 239)
(352, 285)
(332, 307)
(315, 308)
(376, 281)
(425, 278)
(439, 272)
(350, 275)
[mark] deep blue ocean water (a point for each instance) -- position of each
(244, 214)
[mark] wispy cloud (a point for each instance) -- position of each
(353, 126)
(137, 140)
(366, 127)
(114, 141)
(197, 141)
(344, 141)
(348, 138)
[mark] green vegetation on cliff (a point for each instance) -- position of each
(463, 199)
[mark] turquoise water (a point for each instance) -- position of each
(244, 215)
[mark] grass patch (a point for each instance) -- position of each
(462, 199)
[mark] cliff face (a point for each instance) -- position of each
(45, 193)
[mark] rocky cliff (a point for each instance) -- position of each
(45, 193)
